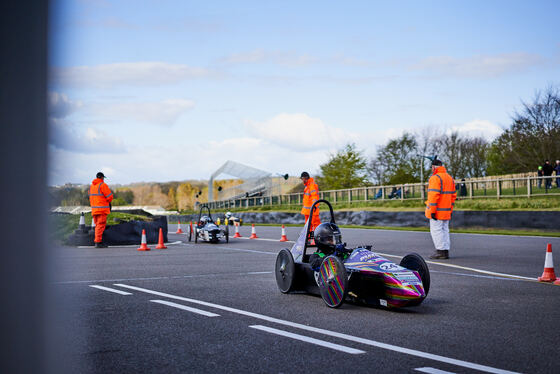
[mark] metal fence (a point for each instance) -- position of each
(527, 187)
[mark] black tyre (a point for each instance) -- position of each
(227, 234)
(333, 281)
(285, 271)
(415, 262)
(190, 233)
(195, 233)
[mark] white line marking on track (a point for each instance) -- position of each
(128, 245)
(433, 371)
(268, 240)
(110, 290)
(307, 339)
(187, 308)
(246, 250)
(339, 335)
(470, 269)
(161, 278)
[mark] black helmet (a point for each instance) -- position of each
(327, 236)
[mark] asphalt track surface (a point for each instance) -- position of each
(206, 308)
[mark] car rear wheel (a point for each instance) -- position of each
(415, 262)
(333, 281)
(195, 233)
(285, 271)
(190, 232)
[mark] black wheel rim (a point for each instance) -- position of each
(333, 281)
(415, 262)
(284, 270)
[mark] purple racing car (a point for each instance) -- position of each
(354, 274)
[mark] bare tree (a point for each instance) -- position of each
(533, 136)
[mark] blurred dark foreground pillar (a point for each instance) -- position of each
(23, 170)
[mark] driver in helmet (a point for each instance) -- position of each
(203, 221)
(327, 236)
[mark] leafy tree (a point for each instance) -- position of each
(532, 138)
(172, 200)
(345, 169)
(124, 196)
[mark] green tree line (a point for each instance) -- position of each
(532, 138)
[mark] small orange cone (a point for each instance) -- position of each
(237, 235)
(548, 273)
(143, 245)
(179, 231)
(160, 240)
(283, 238)
(253, 233)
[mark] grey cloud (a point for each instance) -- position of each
(66, 137)
(126, 74)
(479, 66)
(60, 106)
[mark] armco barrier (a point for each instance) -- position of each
(544, 220)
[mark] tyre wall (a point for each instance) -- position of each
(125, 233)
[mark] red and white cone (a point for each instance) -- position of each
(253, 233)
(82, 223)
(283, 238)
(143, 245)
(237, 235)
(160, 240)
(548, 273)
(179, 231)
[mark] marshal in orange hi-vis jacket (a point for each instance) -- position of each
(310, 195)
(100, 197)
(441, 195)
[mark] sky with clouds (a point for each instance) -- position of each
(169, 90)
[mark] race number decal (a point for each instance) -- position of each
(389, 266)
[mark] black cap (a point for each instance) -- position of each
(304, 174)
(436, 162)
(100, 175)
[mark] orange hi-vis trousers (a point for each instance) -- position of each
(100, 221)
(315, 221)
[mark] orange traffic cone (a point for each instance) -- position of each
(160, 244)
(253, 233)
(179, 231)
(143, 245)
(283, 238)
(237, 235)
(548, 273)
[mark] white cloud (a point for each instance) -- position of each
(126, 74)
(60, 106)
(480, 128)
(160, 163)
(301, 132)
(274, 57)
(165, 112)
(65, 136)
(479, 66)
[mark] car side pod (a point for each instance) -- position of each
(333, 281)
